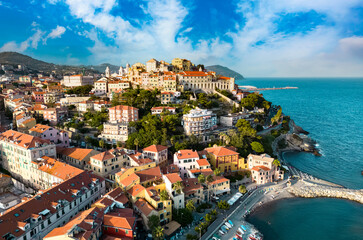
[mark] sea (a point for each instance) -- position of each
(331, 110)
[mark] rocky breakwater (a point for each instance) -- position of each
(311, 190)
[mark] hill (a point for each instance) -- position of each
(225, 71)
(34, 65)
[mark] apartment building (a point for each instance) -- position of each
(152, 65)
(77, 80)
(51, 208)
(47, 171)
(263, 170)
(78, 157)
(193, 190)
(38, 97)
(167, 98)
(159, 110)
(219, 186)
(180, 64)
(18, 150)
(123, 113)
(225, 159)
(157, 153)
(174, 190)
(201, 80)
(231, 119)
(85, 106)
(114, 132)
(107, 163)
(186, 159)
(52, 97)
(55, 115)
(100, 87)
(199, 121)
(58, 137)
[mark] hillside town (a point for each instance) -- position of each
(142, 153)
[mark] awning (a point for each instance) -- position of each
(222, 191)
(171, 227)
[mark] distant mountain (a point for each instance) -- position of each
(102, 67)
(225, 71)
(34, 65)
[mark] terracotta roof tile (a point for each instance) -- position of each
(155, 148)
(173, 177)
(221, 151)
(187, 153)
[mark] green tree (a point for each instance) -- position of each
(136, 142)
(257, 147)
(190, 205)
(245, 129)
(222, 204)
(178, 187)
(277, 117)
(276, 162)
(242, 189)
(101, 143)
(153, 221)
(164, 195)
(201, 178)
(217, 172)
(158, 233)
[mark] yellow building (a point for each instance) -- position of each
(225, 159)
(126, 178)
(180, 64)
(147, 202)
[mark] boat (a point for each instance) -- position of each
(228, 225)
(239, 229)
(230, 222)
(223, 228)
(243, 228)
(221, 232)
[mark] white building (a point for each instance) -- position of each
(37, 216)
(262, 169)
(115, 132)
(176, 195)
(199, 121)
(77, 80)
(159, 110)
(231, 119)
(186, 160)
(19, 150)
(157, 153)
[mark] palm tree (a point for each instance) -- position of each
(242, 189)
(136, 143)
(201, 178)
(209, 180)
(190, 205)
(276, 162)
(178, 186)
(217, 172)
(164, 195)
(158, 233)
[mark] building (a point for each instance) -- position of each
(38, 97)
(18, 150)
(152, 65)
(27, 80)
(123, 113)
(58, 137)
(167, 98)
(231, 119)
(86, 225)
(206, 81)
(115, 132)
(159, 110)
(67, 101)
(193, 190)
(219, 186)
(180, 64)
(169, 82)
(55, 115)
(263, 169)
(186, 159)
(47, 171)
(52, 97)
(77, 80)
(51, 208)
(157, 153)
(78, 157)
(147, 202)
(199, 121)
(174, 190)
(100, 87)
(225, 159)
(85, 106)
(100, 105)
(107, 163)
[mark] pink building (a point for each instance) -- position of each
(263, 170)
(38, 96)
(158, 153)
(55, 115)
(123, 113)
(60, 138)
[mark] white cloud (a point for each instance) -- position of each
(57, 32)
(32, 41)
(164, 36)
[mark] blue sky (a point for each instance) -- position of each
(267, 38)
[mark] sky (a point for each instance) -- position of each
(257, 38)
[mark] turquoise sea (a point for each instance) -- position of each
(331, 109)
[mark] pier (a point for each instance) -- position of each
(255, 89)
